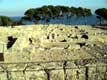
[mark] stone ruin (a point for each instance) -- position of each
(55, 52)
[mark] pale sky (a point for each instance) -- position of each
(18, 7)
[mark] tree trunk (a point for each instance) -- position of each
(85, 20)
(100, 22)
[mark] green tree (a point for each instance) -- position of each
(5, 21)
(37, 18)
(102, 13)
(86, 12)
(98, 17)
(51, 12)
(82, 12)
(30, 12)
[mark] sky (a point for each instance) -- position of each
(18, 7)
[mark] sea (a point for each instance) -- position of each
(89, 20)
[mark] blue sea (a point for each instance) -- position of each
(89, 20)
(16, 18)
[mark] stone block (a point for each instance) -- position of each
(36, 75)
(3, 75)
(57, 75)
(17, 76)
(75, 74)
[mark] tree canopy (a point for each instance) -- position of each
(102, 12)
(54, 11)
(5, 21)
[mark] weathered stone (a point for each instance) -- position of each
(17, 76)
(37, 75)
(3, 75)
(74, 47)
(50, 43)
(75, 74)
(57, 75)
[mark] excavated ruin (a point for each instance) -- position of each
(51, 47)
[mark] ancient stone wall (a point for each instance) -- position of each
(59, 70)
